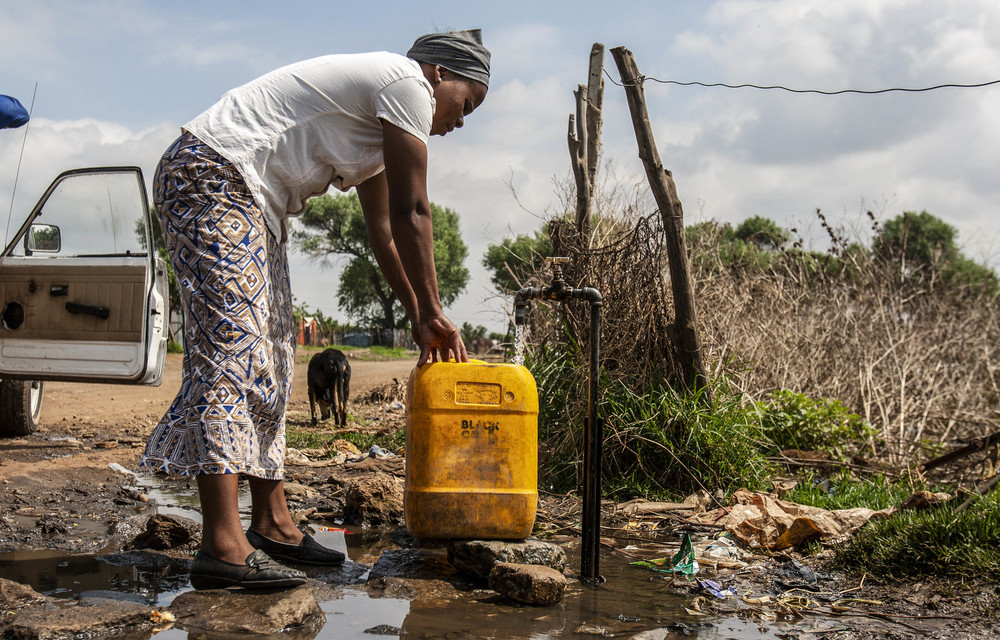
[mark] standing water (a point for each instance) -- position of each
(519, 345)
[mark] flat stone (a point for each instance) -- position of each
(528, 583)
(416, 574)
(248, 611)
(117, 619)
(298, 492)
(478, 557)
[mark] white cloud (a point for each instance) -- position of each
(140, 69)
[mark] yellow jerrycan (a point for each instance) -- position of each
(471, 451)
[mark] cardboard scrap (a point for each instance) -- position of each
(760, 520)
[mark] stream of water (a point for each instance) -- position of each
(518, 345)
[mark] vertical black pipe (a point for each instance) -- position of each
(593, 444)
(593, 425)
(588, 547)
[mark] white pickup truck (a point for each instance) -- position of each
(83, 294)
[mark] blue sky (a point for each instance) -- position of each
(116, 79)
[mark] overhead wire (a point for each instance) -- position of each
(816, 91)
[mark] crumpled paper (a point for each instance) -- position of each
(760, 520)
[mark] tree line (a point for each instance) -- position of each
(333, 227)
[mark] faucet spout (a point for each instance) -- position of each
(521, 302)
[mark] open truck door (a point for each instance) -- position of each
(83, 293)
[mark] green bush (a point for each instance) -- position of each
(932, 542)
(657, 442)
(793, 420)
(674, 443)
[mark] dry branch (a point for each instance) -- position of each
(979, 444)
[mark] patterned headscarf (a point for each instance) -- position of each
(460, 52)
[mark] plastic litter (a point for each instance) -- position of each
(716, 589)
(377, 452)
(374, 452)
(120, 469)
(685, 561)
(723, 548)
(655, 564)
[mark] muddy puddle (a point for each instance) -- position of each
(632, 600)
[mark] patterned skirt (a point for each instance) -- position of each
(229, 415)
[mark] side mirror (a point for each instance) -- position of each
(43, 238)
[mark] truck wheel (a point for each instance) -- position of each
(20, 406)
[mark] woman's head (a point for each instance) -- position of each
(455, 97)
(458, 67)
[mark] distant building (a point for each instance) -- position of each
(310, 331)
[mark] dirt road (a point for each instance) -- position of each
(86, 408)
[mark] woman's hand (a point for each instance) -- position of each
(440, 340)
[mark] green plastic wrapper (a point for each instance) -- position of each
(684, 561)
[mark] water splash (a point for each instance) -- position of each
(519, 345)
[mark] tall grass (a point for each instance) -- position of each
(916, 356)
(933, 542)
(844, 491)
(658, 442)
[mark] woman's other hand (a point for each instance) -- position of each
(440, 341)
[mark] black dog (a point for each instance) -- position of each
(329, 380)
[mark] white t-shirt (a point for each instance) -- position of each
(301, 128)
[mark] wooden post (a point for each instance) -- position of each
(595, 103)
(684, 329)
(584, 136)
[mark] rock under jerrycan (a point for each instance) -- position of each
(471, 451)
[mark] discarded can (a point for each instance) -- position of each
(471, 451)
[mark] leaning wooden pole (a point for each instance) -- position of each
(684, 329)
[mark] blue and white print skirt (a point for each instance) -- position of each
(229, 416)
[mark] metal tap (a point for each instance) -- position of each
(593, 425)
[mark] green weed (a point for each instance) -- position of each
(304, 439)
(844, 491)
(795, 421)
(930, 542)
(657, 442)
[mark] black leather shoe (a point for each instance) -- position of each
(258, 572)
(307, 552)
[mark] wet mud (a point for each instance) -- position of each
(71, 504)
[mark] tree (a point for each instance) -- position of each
(515, 260)
(470, 333)
(921, 238)
(928, 246)
(335, 225)
(762, 232)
